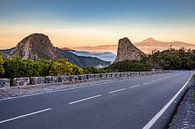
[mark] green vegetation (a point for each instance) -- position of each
(174, 59)
(193, 94)
(1, 65)
(169, 59)
(90, 70)
(63, 67)
(17, 67)
(128, 65)
(122, 66)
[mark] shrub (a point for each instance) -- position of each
(63, 67)
(91, 70)
(175, 59)
(129, 65)
(1, 65)
(17, 67)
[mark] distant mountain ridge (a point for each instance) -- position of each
(38, 46)
(146, 46)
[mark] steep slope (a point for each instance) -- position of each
(35, 46)
(38, 46)
(83, 61)
(6, 52)
(127, 51)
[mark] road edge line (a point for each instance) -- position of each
(160, 113)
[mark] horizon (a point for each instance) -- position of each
(73, 47)
(95, 23)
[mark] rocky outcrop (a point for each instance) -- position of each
(35, 46)
(127, 51)
(38, 46)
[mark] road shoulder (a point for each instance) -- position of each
(185, 113)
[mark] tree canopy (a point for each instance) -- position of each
(173, 59)
(1, 65)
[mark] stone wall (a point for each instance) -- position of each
(23, 81)
(4, 82)
(37, 80)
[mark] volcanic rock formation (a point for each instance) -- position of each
(35, 46)
(127, 51)
(38, 46)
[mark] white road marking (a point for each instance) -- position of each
(146, 83)
(160, 113)
(81, 100)
(135, 86)
(22, 116)
(116, 90)
(154, 81)
(47, 92)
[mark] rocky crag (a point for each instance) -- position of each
(127, 51)
(38, 46)
(35, 46)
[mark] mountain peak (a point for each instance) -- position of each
(35, 46)
(150, 40)
(36, 38)
(38, 46)
(125, 40)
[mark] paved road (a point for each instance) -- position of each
(134, 103)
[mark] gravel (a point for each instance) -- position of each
(185, 115)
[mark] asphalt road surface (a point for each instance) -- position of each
(134, 103)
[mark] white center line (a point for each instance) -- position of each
(22, 116)
(81, 100)
(160, 113)
(135, 86)
(116, 90)
(146, 83)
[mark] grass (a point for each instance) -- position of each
(193, 78)
(193, 94)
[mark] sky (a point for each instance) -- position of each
(71, 23)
